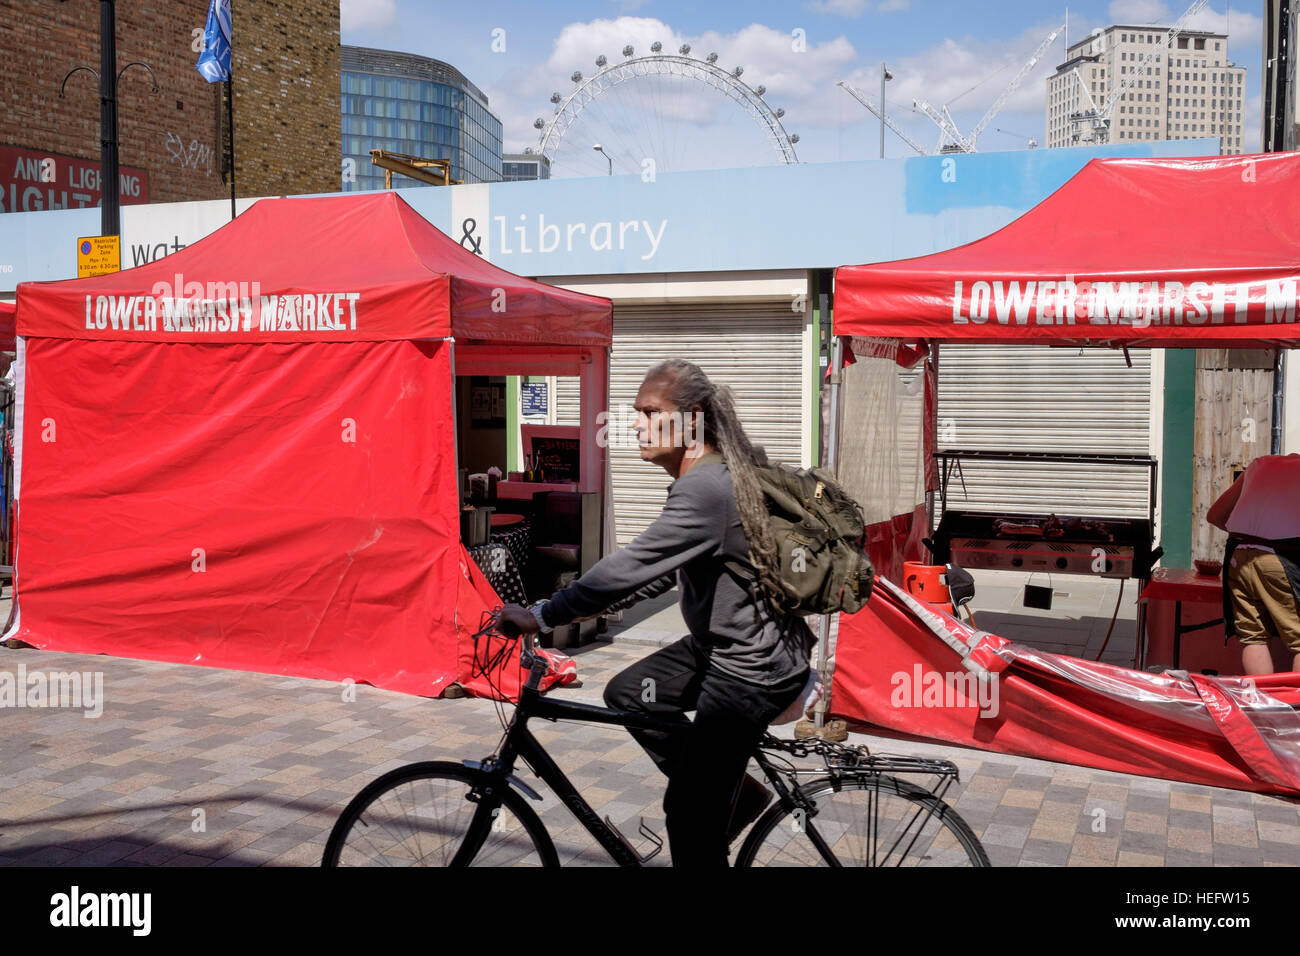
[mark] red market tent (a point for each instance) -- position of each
(243, 455)
(1121, 255)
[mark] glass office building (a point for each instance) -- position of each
(415, 105)
(517, 167)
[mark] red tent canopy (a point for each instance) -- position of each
(7, 311)
(1143, 252)
(336, 268)
(244, 455)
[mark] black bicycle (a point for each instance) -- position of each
(851, 811)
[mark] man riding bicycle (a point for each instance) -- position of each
(742, 663)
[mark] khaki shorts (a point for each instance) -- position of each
(1262, 601)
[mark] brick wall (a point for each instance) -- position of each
(286, 77)
(287, 121)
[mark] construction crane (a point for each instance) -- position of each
(1032, 143)
(1014, 85)
(865, 101)
(1099, 120)
(945, 122)
(947, 127)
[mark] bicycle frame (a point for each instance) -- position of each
(520, 744)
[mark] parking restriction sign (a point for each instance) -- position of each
(98, 255)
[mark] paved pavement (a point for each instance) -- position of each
(191, 766)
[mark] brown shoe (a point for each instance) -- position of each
(835, 730)
(751, 801)
(805, 729)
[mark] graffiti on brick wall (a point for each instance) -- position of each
(197, 155)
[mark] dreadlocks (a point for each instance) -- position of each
(690, 387)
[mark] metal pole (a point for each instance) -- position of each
(110, 184)
(230, 127)
(883, 72)
(1279, 390)
(832, 465)
(931, 423)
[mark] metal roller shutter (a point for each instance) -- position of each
(1027, 398)
(755, 348)
(568, 394)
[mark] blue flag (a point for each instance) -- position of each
(214, 61)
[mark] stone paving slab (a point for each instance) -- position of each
(190, 766)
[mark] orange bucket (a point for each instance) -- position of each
(925, 582)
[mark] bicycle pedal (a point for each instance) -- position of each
(646, 832)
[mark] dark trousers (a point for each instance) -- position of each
(705, 761)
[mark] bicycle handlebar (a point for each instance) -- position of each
(536, 663)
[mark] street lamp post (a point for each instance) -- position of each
(598, 148)
(884, 75)
(109, 76)
(109, 183)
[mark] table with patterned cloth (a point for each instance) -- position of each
(518, 539)
(498, 566)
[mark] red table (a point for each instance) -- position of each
(1178, 586)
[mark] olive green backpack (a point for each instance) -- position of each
(819, 532)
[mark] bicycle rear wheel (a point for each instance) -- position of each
(422, 815)
(864, 820)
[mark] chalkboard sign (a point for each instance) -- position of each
(558, 448)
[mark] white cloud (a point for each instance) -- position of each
(889, 6)
(366, 14)
(1139, 12)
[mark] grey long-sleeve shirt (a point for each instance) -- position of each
(698, 531)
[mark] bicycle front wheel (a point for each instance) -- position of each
(863, 821)
(423, 815)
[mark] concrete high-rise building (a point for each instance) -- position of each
(516, 167)
(417, 106)
(1189, 91)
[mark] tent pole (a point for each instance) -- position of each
(455, 422)
(1279, 389)
(932, 423)
(832, 465)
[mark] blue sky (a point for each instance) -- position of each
(943, 51)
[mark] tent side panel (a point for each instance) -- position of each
(893, 673)
(287, 509)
